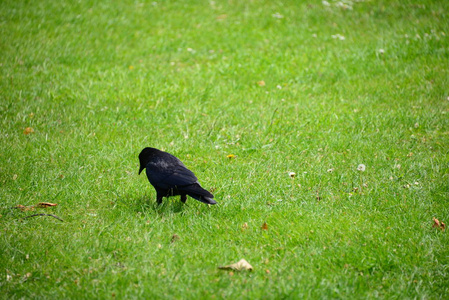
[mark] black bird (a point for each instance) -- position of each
(170, 177)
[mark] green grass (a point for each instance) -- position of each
(99, 81)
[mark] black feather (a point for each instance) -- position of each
(170, 177)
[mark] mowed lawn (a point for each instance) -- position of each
(321, 127)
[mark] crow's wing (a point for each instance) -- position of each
(168, 173)
(196, 191)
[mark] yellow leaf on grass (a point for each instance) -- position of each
(241, 265)
(264, 226)
(46, 204)
(28, 130)
(438, 224)
(261, 83)
(25, 208)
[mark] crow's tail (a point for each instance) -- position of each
(197, 192)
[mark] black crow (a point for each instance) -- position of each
(170, 177)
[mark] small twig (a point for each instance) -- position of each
(49, 215)
(272, 117)
(318, 198)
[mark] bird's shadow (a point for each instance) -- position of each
(145, 204)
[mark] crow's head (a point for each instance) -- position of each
(145, 157)
(141, 169)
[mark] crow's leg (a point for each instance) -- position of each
(183, 198)
(159, 196)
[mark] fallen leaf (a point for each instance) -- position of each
(174, 238)
(261, 83)
(21, 207)
(438, 224)
(46, 204)
(28, 130)
(25, 208)
(245, 226)
(264, 226)
(241, 265)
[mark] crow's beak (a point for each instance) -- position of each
(141, 169)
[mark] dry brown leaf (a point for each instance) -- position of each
(21, 207)
(28, 130)
(46, 204)
(241, 265)
(264, 226)
(438, 224)
(261, 83)
(174, 238)
(25, 208)
(245, 226)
